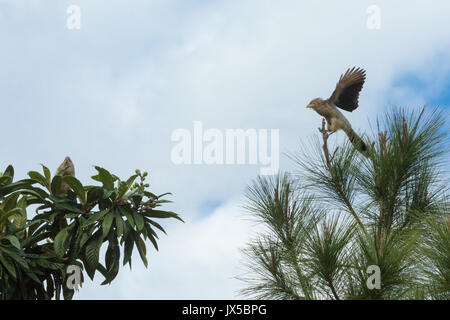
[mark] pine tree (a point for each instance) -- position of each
(342, 212)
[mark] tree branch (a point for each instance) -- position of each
(333, 290)
(338, 186)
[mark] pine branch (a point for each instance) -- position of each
(329, 280)
(338, 186)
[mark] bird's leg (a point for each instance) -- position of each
(323, 130)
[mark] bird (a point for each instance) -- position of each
(345, 96)
(66, 169)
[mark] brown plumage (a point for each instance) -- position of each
(66, 169)
(345, 96)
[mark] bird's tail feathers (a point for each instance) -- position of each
(357, 142)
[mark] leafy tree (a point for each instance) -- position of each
(70, 228)
(342, 212)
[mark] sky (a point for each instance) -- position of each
(113, 91)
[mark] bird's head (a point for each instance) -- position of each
(66, 168)
(67, 161)
(315, 103)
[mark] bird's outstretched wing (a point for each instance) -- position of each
(346, 94)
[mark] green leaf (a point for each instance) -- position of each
(93, 249)
(125, 186)
(71, 215)
(139, 219)
(157, 225)
(119, 224)
(140, 244)
(128, 249)
(33, 276)
(68, 206)
(112, 259)
(84, 238)
(13, 254)
(38, 177)
(5, 215)
(76, 186)
(8, 265)
(153, 240)
(36, 238)
(94, 194)
(105, 177)
(109, 258)
(108, 193)
(59, 243)
(106, 224)
(49, 264)
(10, 202)
(89, 270)
(47, 174)
(4, 180)
(162, 214)
(56, 185)
(164, 194)
(21, 219)
(9, 171)
(38, 193)
(130, 218)
(122, 188)
(95, 217)
(13, 240)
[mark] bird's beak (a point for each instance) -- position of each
(308, 106)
